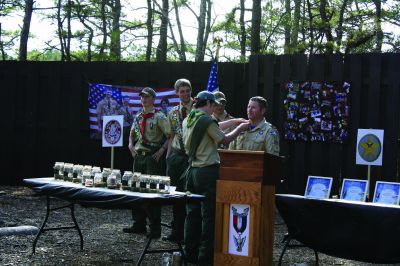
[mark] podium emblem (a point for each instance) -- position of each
(240, 225)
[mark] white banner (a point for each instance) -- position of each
(239, 223)
(369, 147)
(112, 133)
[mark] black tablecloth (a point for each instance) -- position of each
(103, 197)
(367, 232)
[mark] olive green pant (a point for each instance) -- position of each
(145, 164)
(200, 217)
(177, 162)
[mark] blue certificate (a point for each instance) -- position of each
(354, 189)
(318, 187)
(387, 192)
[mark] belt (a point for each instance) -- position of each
(144, 153)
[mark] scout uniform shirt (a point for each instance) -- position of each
(156, 129)
(175, 118)
(264, 137)
(207, 153)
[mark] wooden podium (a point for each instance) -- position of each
(246, 178)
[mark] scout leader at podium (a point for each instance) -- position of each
(150, 131)
(201, 136)
(262, 135)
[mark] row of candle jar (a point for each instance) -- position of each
(74, 173)
(137, 182)
(93, 176)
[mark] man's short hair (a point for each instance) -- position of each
(262, 102)
(181, 83)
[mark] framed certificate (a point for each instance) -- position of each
(354, 189)
(318, 187)
(387, 192)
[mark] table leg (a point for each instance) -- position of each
(151, 251)
(144, 252)
(43, 225)
(42, 229)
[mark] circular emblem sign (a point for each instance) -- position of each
(112, 131)
(369, 147)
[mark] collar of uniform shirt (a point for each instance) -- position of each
(254, 127)
(188, 105)
(152, 110)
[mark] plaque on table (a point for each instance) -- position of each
(354, 189)
(387, 193)
(318, 187)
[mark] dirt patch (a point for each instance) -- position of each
(104, 241)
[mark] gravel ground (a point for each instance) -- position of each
(104, 242)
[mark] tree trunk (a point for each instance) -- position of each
(208, 27)
(295, 28)
(149, 25)
(104, 29)
(23, 44)
(161, 55)
(3, 55)
(242, 31)
(339, 30)
(182, 49)
(115, 44)
(201, 19)
(91, 33)
(326, 28)
(287, 21)
(310, 25)
(378, 26)
(255, 27)
(69, 35)
(60, 30)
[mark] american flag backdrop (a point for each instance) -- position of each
(97, 92)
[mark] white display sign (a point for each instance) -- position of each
(318, 187)
(387, 193)
(239, 223)
(354, 189)
(369, 147)
(112, 133)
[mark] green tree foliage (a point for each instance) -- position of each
(96, 30)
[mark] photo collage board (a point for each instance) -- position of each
(317, 111)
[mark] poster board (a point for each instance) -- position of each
(387, 193)
(369, 148)
(112, 133)
(354, 190)
(318, 187)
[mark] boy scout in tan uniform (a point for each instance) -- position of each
(201, 136)
(177, 160)
(150, 131)
(220, 114)
(261, 136)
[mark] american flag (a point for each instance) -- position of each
(212, 84)
(97, 92)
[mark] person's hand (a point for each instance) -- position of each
(157, 155)
(240, 121)
(132, 149)
(244, 126)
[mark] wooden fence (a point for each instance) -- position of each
(375, 98)
(46, 110)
